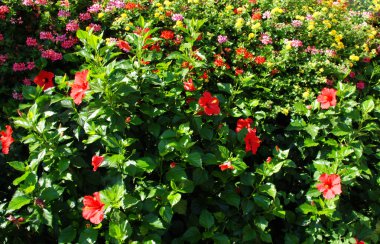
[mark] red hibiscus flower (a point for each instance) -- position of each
(97, 161)
(252, 142)
(243, 123)
(167, 34)
(209, 104)
(189, 85)
(330, 185)
(359, 242)
(226, 165)
(79, 87)
(123, 45)
(327, 98)
(93, 209)
(44, 79)
(6, 139)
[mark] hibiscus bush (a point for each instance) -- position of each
(192, 121)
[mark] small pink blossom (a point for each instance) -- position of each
(72, 26)
(31, 42)
(222, 39)
(266, 15)
(1, 37)
(27, 2)
(84, 16)
(64, 13)
(296, 23)
(51, 54)
(177, 17)
(265, 39)
(46, 36)
(95, 27)
(3, 58)
(26, 81)
(94, 8)
(296, 43)
(17, 67)
(360, 85)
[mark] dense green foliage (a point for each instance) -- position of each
(210, 121)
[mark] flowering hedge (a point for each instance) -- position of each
(201, 121)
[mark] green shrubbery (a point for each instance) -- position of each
(210, 121)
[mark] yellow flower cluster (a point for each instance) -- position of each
(354, 58)
(159, 13)
(311, 25)
(338, 40)
(193, 1)
(277, 10)
(239, 23)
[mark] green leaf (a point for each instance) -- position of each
(146, 164)
(307, 208)
(166, 213)
(113, 196)
(261, 223)
(17, 165)
(368, 106)
(48, 217)
(130, 201)
(51, 193)
(88, 236)
(269, 189)
(206, 219)
(154, 221)
(195, 159)
(312, 130)
(67, 235)
(232, 198)
(18, 202)
(119, 227)
(248, 233)
(174, 198)
(322, 166)
(192, 235)
(225, 87)
(261, 201)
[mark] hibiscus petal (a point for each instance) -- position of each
(328, 194)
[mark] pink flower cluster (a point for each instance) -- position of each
(46, 35)
(72, 26)
(296, 43)
(265, 39)
(177, 17)
(69, 43)
(1, 37)
(94, 8)
(31, 42)
(84, 16)
(222, 39)
(17, 67)
(296, 23)
(63, 13)
(37, 2)
(114, 4)
(3, 58)
(17, 96)
(266, 15)
(51, 54)
(95, 27)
